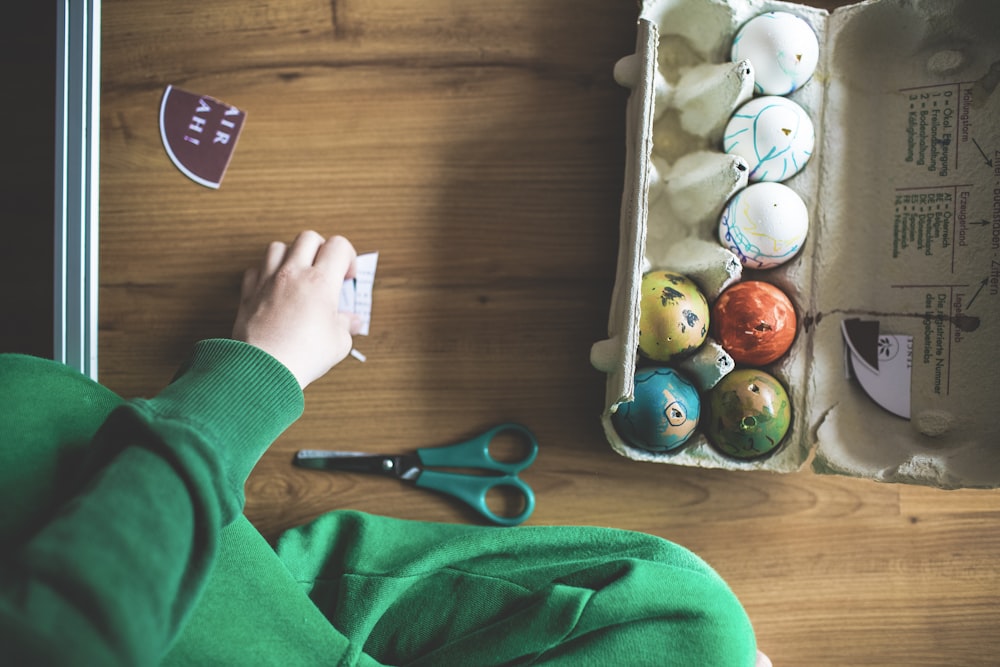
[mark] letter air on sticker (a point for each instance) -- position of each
(199, 134)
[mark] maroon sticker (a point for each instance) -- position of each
(199, 134)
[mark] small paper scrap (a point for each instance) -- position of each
(881, 363)
(356, 295)
(199, 134)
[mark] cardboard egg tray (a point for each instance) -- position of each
(894, 374)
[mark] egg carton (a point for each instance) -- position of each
(904, 241)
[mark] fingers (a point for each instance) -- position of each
(273, 259)
(251, 277)
(304, 248)
(334, 256)
(337, 258)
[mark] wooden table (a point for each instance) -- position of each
(479, 147)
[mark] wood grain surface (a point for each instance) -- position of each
(479, 147)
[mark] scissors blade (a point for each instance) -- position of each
(322, 459)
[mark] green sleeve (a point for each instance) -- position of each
(112, 576)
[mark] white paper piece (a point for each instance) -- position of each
(888, 383)
(356, 295)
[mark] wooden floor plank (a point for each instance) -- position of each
(480, 147)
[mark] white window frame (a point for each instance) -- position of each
(77, 167)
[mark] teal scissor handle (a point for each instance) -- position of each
(475, 453)
(472, 489)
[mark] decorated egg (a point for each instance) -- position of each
(663, 414)
(673, 316)
(764, 225)
(782, 48)
(754, 322)
(747, 414)
(773, 134)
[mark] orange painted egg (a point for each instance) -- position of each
(754, 321)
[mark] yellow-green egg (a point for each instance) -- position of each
(673, 316)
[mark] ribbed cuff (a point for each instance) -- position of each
(240, 398)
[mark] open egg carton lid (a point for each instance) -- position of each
(894, 374)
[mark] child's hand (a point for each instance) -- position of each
(288, 305)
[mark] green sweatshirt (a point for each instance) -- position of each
(161, 479)
(124, 543)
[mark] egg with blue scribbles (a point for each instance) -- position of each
(781, 47)
(663, 414)
(764, 225)
(673, 316)
(773, 134)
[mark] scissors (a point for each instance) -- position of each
(470, 489)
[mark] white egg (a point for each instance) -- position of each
(782, 48)
(764, 225)
(773, 134)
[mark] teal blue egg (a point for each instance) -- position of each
(663, 414)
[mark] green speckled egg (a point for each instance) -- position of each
(748, 414)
